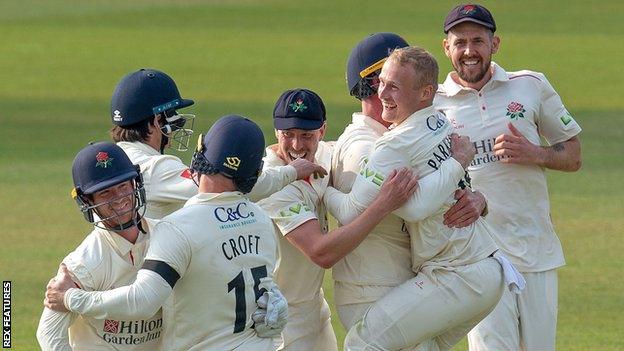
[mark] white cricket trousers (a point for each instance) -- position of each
(433, 310)
(525, 322)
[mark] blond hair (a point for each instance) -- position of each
(423, 63)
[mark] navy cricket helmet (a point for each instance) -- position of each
(366, 60)
(100, 166)
(146, 93)
(233, 147)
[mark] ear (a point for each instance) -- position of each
(154, 125)
(322, 130)
(495, 44)
(446, 46)
(427, 93)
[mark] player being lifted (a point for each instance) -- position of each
(109, 191)
(144, 112)
(216, 256)
(457, 281)
(383, 260)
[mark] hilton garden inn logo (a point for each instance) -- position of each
(131, 332)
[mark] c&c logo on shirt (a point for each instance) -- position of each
(434, 122)
(228, 214)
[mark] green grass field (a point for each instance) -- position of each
(60, 59)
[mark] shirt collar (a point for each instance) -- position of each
(361, 119)
(144, 148)
(120, 244)
(224, 197)
(452, 88)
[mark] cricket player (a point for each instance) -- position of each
(506, 114)
(383, 260)
(299, 215)
(215, 256)
(145, 121)
(458, 281)
(108, 185)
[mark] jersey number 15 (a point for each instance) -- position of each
(238, 285)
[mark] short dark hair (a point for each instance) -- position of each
(134, 132)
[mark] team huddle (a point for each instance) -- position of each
(439, 192)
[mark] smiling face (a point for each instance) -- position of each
(470, 47)
(115, 204)
(398, 91)
(298, 143)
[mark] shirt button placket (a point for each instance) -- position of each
(481, 104)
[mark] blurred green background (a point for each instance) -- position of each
(60, 60)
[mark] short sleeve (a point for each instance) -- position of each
(554, 121)
(289, 208)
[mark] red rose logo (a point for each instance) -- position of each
(515, 110)
(101, 156)
(103, 160)
(468, 9)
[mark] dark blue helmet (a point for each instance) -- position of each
(366, 60)
(97, 167)
(146, 93)
(233, 147)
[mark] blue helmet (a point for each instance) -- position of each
(146, 93)
(233, 147)
(100, 166)
(366, 60)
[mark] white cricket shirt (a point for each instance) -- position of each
(519, 209)
(222, 246)
(299, 278)
(103, 261)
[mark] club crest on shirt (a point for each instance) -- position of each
(515, 110)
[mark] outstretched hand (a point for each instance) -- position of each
(516, 148)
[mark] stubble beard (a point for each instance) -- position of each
(463, 75)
